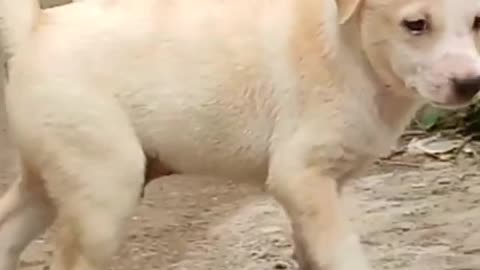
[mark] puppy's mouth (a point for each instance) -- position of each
(451, 102)
(446, 105)
(451, 105)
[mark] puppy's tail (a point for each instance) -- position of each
(17, 21)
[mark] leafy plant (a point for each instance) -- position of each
(464, 121)
(432, 118)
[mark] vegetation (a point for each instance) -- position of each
(464, 122)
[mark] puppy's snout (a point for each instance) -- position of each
(466, 88)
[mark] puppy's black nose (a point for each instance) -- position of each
(466, 88)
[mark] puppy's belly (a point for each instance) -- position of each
(200, 156)
(200, 126)
(179, 143)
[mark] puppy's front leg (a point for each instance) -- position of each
(322, 234)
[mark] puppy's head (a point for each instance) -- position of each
(429, 46)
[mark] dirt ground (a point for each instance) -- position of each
(420, 216)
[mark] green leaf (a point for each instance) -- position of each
(430, 117)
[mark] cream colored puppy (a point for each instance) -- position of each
(105, 95)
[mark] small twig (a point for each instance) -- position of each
(413, 132)
(474, 135)
(462, 146)
(450, 131)
(399, 163)
(470, 174)
(394, 153)
(6, 70)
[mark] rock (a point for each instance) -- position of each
(474, 189)
(418, 185)
(444, 181)
(436, 165)
(281, 265)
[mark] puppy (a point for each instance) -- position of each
(298, 94)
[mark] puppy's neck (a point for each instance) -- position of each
(394, 108)
(330, 55)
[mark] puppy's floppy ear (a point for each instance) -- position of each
(346, 9)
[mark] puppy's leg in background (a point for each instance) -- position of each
(96, 208)
(322, 234)
(92, 164)
(25, 212)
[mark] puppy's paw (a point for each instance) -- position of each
(343, 255)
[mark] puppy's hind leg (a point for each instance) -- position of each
(94, 204)
(84, 146)
(25, 212)
(95, 177)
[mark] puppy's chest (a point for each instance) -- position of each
(354, 144)
(349, 154)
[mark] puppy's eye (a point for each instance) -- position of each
(476, 23)
(416, 27)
